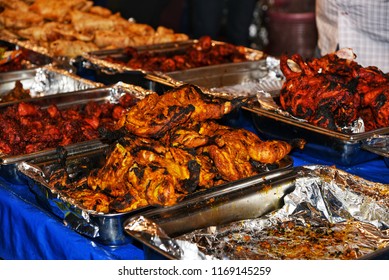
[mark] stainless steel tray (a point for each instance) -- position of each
(101, 227)
(98, 60)
(104, 228)
(160, 230)
(378, 145)
(330, 146)
(8, 163)
(233, 79)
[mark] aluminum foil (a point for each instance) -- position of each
(52, 80)
(330, 215)
(268, 83)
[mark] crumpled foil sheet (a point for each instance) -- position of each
(268, 83)
(52, 80)
(330, 215)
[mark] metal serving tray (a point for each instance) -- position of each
(95, 64)
(45, 81)
(100, 227)
(246, 199)
(98, 58)
(159, 229)
(8, 164)
(378, 145)
(229, 80)
(324, 144)
(104, 228)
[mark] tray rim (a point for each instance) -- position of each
(351, 137)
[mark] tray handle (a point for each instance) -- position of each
(378, 144)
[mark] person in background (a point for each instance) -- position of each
(206, 18)
(360, 25)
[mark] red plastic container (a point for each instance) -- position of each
(291, 28)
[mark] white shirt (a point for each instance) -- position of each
(362, 25)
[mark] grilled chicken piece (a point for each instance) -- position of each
(155, 115)
(234, 151)
(333, 91)
(92, 200)
(146, 169)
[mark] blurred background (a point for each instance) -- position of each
(274, 26)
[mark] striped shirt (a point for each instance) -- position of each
(362, 25)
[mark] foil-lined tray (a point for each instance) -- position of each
(105, 228)
(318, 212)
(98, 59)
(111, 94)
(341, 148)
(44, 81)
(243, 79)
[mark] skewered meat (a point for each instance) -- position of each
(333, 92)
(155, 115)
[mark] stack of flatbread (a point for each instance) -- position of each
(73, 27)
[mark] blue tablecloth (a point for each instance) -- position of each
(375, 170)
(29, 232)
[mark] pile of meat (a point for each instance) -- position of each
(26, 128)
(172, 146)
(73, 27)
(334, 91)
(202, 53)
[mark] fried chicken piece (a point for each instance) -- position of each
(58, 10)
(19, 19)
(155, 115)
(18, 5)
(92, 200)
(70, 48)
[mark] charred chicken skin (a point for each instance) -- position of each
(164, 156)
(143, 171)
(155, 115)
(332, 91)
